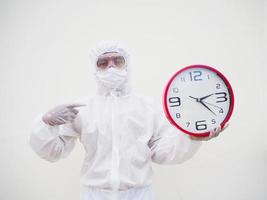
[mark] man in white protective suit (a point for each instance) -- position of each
(122, 133)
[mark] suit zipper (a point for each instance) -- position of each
(115, 152)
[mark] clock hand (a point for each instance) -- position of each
(207, 107)
(212, 104)
(198, 100)
(202, 98)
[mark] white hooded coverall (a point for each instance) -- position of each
(122, 134)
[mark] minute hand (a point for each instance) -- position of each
(207, 107)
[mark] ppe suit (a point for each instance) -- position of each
(122, 134)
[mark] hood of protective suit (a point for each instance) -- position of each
(111, 81)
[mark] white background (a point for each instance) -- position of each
(44, 48)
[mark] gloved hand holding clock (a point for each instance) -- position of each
(199, 100)
(212, 134)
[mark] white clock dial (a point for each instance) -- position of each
(198, 99)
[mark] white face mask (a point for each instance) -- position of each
(112, 78)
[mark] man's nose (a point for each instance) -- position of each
(111, 63)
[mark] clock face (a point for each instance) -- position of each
(198, 99)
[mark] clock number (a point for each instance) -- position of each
(221, 97)
(200, 125)
(218, 86)
(187, 124)
(178, 115)
(183, 79)
(176, 101)
(175, 90)
(213, 121)
(195, 76)
(221, 110)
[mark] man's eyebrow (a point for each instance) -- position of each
(110, 52)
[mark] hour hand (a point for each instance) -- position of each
(202, 98)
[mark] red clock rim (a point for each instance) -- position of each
(166, 110)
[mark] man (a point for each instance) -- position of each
(122, 133)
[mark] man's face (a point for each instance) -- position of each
(110, 59)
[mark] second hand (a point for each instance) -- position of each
(212, 104)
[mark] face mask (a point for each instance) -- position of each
(112, 78)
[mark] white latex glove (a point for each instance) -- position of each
(213, 133)
(61, 114)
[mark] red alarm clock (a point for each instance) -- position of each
(197, 99)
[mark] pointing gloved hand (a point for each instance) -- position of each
(213, 133)
(61, 114)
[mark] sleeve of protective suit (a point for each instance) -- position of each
(53, 142)
(169, 145)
